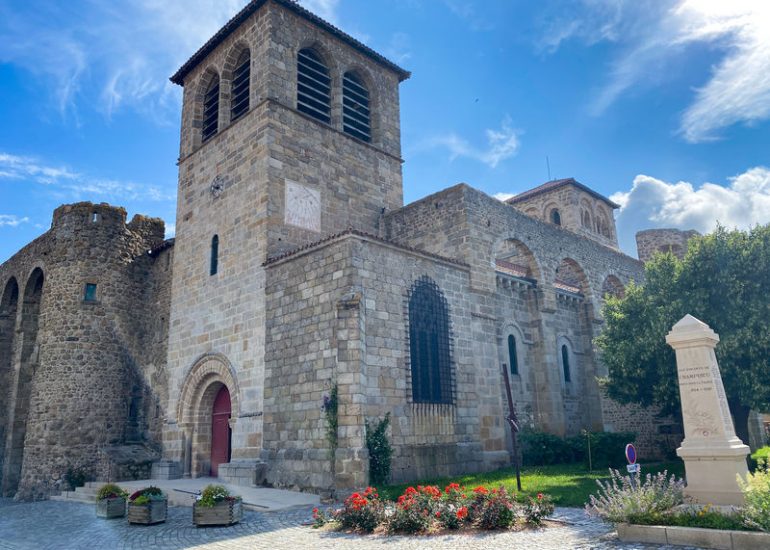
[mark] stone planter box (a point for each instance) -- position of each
(111, 508)
(148, 514)
(223, 513)
(694, 536)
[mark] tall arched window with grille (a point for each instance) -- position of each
(429, 344)
(513, 358)
(313, 86)
(355, 107)
(211, 109)
(239, 98)
(565, 363)
(214, 261)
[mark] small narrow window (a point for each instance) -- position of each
(565, 363)
(240, 92)
(313, 86)
(555, 217)
(512, 357)
(211, 109)
(355, 107)
(90, 293)
(95, 217)
(214, 255)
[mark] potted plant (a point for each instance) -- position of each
(147, 506)
(111, 501)
(216, 506)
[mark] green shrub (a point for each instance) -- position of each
(145, 495)
(110, 490)
(212, 494)
(330, 406)
(622, 498)
(762, 453)
(495, 509)
(692, 517)
(542, 449)
(361, 511)
(380, 450)
(76, 477)
(756, 491)
(607, 448)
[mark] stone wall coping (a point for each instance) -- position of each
(693, 536)
(360, 235)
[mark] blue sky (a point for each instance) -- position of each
(662, 105)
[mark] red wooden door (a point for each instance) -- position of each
(220, 431)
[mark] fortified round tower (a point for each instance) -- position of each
(76, 305)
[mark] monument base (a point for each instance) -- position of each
(712, 469)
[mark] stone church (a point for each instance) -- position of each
(296, 269)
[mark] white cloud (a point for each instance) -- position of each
(10, 220)
(651, 203)
(504, 196)
(326, 9)
(501, 145)
(63, 182)
(652, 38)
(399, 48)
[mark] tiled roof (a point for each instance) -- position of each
(556, 184)
(356, 232)
(253, 6)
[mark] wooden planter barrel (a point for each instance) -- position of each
(148, 514)
(226, 512)
(111, 508)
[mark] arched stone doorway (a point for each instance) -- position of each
(220, 430)
(8, 307)
(210, 387)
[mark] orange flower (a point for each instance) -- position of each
(481, 491)
(462, 513)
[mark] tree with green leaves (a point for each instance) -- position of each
(723, 280)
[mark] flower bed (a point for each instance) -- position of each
(428, 509)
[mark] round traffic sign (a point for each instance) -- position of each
(631, 453)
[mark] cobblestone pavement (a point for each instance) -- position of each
(65, 525)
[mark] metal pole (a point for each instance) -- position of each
(513, 421)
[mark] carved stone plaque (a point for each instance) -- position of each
(303, 206)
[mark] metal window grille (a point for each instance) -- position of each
(512, 357)
(355, 107)
(211, 109)
(214, 264)
(239, 98)
(429, 343)
(313, 86)
(565, 363)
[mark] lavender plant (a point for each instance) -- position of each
(623, 497)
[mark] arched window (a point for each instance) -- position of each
(555, 217)
(239, 98)
(313, 86)
(587, 220)
(214, 264)
(513, 358)
(565, 363)
(355, 107)
(429, 344)
(211, 109)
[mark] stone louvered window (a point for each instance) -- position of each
(239, 98)
(211, 109)
(565, 363)
(513, 358)
(214, 263)
(313, 86)
(355, 107)
(429, 344)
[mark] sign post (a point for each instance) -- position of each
(513, 422)
(633, 467)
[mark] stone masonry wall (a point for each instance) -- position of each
(651, 241)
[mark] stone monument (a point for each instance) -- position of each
(713, 455)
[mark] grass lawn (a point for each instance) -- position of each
(568, 484)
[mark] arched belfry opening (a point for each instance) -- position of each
(21, 387)
(207, 411)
